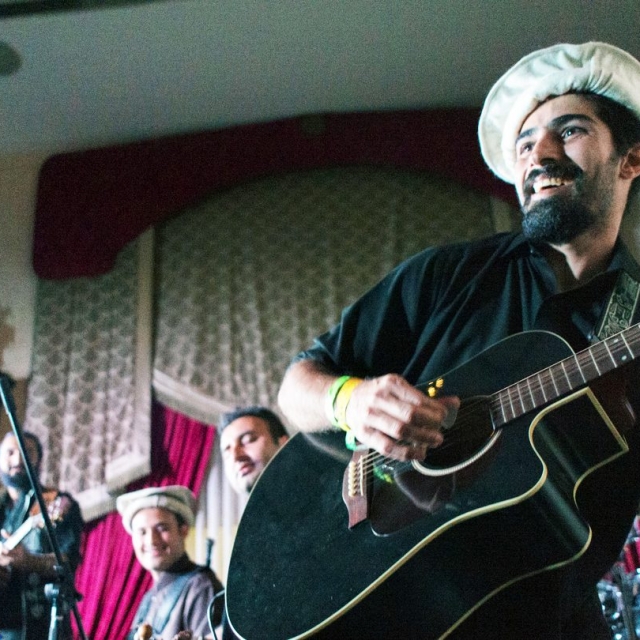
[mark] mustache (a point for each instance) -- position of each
(568, 171)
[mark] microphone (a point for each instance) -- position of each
(209, 550)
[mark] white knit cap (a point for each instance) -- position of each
(594, 67)
(175, 498)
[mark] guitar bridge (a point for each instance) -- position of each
(355, 488)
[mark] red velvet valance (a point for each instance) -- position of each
(90, 204)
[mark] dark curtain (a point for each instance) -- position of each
(109, 578)
(90, 204)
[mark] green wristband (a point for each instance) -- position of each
(334, 390)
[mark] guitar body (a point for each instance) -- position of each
(434, 549)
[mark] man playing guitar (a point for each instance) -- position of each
(562, 125)
(27, 562)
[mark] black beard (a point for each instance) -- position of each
(562, 218)
(557, 220)
(19, 481)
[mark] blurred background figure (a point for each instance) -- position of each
(158, 520)
(249, 438)
(27, 561)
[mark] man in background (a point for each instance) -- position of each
(158, 520)
(27, 562)
(249, 438)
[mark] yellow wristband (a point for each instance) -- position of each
(331, 397)
(342, 402)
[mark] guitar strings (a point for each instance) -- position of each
(452, 437)
(602, 353)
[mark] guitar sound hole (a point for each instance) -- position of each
(467, 436)
(414, 492)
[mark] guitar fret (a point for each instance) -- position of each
(606, 346)
(531, 398)
(632, 337)
(606, 359)
(580, 371)
(544, 395)
(601, 354)
(504, 417)
(595, 362)
(553, 380)
(566, 375)
(513, 413)
(587, 365)
(620, 350)
(626, 344)
(560, 380)
(530, 394)
(522, 407)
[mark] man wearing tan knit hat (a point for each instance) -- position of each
(158, 520)
(500, 556)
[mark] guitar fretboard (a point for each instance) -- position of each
(565, 376)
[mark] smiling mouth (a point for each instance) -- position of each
(548, 183)
(245, 469)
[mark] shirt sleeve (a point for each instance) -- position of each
(378, 333)
(198, 596)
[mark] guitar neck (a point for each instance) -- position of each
(20, 533)
(565, 376)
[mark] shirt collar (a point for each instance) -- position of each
(182, 565)
(621, 259)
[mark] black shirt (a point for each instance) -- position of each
(447, 304)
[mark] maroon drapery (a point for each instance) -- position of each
(90, 204)
(109, 577)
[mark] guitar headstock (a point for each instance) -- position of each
(58, 507)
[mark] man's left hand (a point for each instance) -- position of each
(16, 558)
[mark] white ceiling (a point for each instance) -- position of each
(90, 78)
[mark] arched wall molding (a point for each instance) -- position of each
(92, 203)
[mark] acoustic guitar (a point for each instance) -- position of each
(343, 544)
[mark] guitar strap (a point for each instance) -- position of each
(620, 309)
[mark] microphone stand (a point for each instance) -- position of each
(61, 592)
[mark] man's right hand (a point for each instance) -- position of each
(393, 417)
(385, 413)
